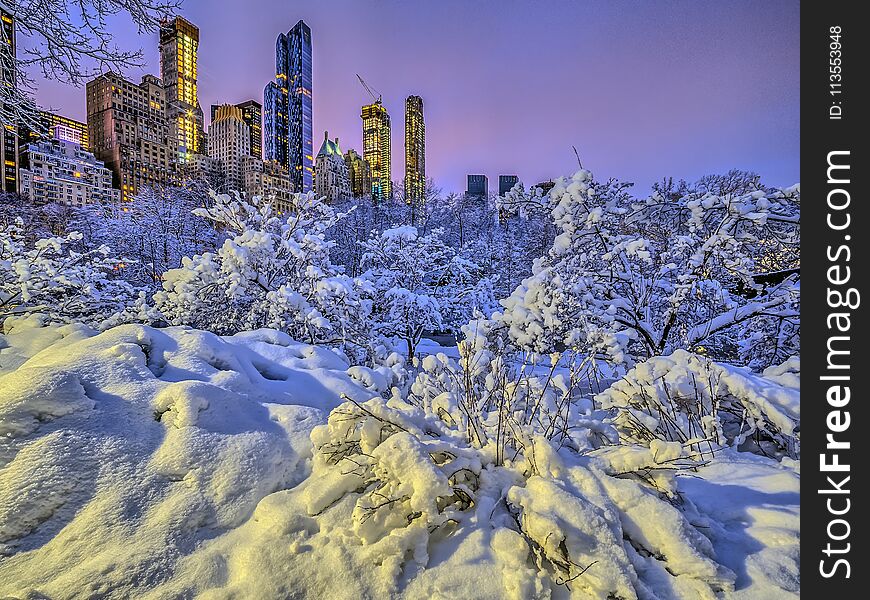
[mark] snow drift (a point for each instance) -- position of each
(154, 463)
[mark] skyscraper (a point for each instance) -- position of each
(8, 133)
(478, 185)
(252, 115)
(179, 41)
(128, 131)
(58, 127)
(415, 150)
(229, 141)
(287, 107)
(376, 149)
(506, 183)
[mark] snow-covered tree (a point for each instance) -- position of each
(48, 277)
(628, 279)
(271, 271)
(35, 221)
(419, 284)
(157, 229)
(362, 217)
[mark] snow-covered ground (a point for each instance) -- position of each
(163, 463)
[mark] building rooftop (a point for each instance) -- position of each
(329, 147)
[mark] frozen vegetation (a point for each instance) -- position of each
(257, 414)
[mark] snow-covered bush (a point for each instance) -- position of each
(50, 278)
(628, 279)
(705, 405)
(602, 525)
(272, 271)
(501, 400)
(420, 284)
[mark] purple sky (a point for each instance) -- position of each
(643, 89)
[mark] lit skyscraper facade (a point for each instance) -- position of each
(128, 131)
(179, 42)
(252, 115)
(415, 150)
(229, 140)
(287, 109)
(8, 133)
(59, 127)
(376, 149)
(359, 173)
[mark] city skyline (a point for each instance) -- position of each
(626, 104)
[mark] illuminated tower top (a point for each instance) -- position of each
(179, 44)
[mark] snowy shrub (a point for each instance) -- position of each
(50, 278)
(420, 284)
(497, 399)
(628, 279)
(705, 405)
(603, 525)
(272, 271)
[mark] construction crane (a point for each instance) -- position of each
(376, 96)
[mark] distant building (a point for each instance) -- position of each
(204, 168)
(252, 115)
(179, 44)
(230, 140)
(359, 174)
(376, 149)
(415, 150)
(287, 107)
(545, 186)
(58, 127)
(268, 180)
(506, 183)
(478, 185)
(330, 172)
(128, 131)
(8, 133)
(63, 172)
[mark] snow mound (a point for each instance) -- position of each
(398, 502)
(173, 463)
(121, 451)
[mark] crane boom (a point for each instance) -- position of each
(373, 93)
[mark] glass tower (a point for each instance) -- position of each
(506, 183)
(376, 149)
(478, 185)
(179, 44)
(415, 150)
(287, 109)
